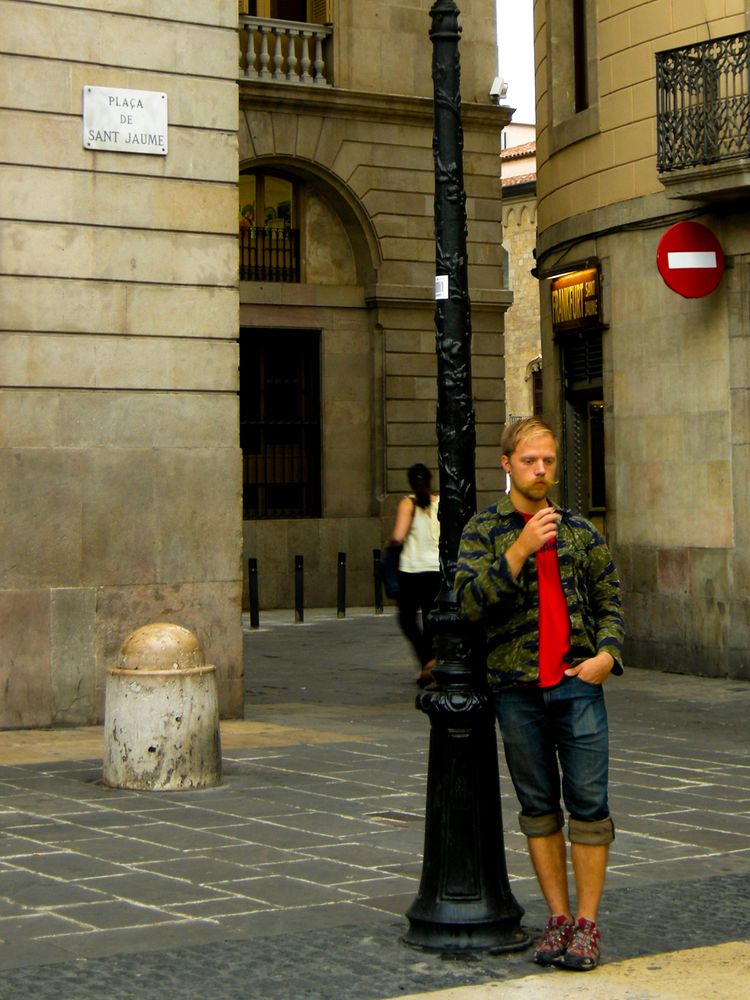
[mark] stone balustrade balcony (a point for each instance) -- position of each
(290, 52)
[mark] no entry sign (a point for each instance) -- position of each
(690, 259)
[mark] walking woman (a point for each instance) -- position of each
(417, 530)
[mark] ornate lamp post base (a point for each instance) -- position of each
(464, 900)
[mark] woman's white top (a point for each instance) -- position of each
(420, 552)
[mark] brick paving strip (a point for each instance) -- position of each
(696, 974)
(35, 746)
(291, 879)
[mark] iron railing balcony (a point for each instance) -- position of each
(703, 107)
(285, 51)
(269, 253)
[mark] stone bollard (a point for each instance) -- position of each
(161, 713)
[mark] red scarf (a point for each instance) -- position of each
(554, 622)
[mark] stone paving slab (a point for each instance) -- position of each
(292, 878)
(367, 961)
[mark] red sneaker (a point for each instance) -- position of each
(554, 941)
(582, 952)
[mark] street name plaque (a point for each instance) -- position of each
(125, 121)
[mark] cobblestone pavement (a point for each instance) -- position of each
(291, 879)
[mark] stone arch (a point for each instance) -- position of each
(526, 217)
(510, 218)
(359, 227)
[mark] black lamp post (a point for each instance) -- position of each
(464, 900)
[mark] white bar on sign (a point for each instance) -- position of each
(691, 258)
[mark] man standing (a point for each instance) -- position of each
(541, 581)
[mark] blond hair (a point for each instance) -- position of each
(519, 429)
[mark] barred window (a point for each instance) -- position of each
(280, 422)
(583, 423)
(269, 233)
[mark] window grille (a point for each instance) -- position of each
(280, 423)
(269, 253)
(703, 102)
(583, 423)
(583, 361)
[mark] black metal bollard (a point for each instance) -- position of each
(341, 586)
(377, 581)
(299, 589)
(252, 582)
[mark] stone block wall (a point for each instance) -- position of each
(617, 160)
(676, 393)
(675, 369)
(677, 462)
(365, 170)
(522, 334)
(120, 466)
(385, 48)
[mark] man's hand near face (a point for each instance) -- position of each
(538, 530)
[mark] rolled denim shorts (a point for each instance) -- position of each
(556, 742)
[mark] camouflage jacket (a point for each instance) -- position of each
(508, 608)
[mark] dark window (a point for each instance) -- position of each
(580, 57)
(280, 10)
(289, 10)
(596, 497)
(536, 392)
(583, 422)
(280, 422)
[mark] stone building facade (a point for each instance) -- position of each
(523, 342)
(640, 126)
(353, 157)
(147, 394)
(121, 466)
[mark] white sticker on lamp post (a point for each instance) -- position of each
(441, 286)
(125, 121)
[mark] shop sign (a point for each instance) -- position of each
(576, 300)
(125, 121)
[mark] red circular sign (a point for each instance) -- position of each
(690, 259)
